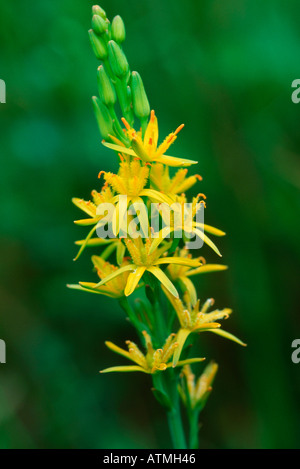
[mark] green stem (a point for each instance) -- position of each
(194, 430)
(174, 416)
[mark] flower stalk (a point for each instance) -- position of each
(150, 274)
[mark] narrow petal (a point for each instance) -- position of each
(206, 268)
(155, 195)
(86, 221)
(85, 242)
(115, 274)
(87, 207)
(181, 339)
(124, 369)
(178, 261)
(173, 161)
(189, 286)
(207, 241)
(164, 233)
(210, 229)
(189, 361)
(227, 335)
(118, 148)
(118, 350)
(133, 280)
(94, 242)
(161, 276)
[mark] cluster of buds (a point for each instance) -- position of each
(116, 82)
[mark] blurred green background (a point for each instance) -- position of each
(224, 69)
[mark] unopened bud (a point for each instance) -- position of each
(140, 101)
(103, 117)
(98, 45)
(117, 60)
(96, 10)
(118, 30)
(99, 25)
(106, 89)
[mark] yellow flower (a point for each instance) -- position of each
(146, 148)
(192, 319)
(90, 208)
(195, 394)
(131, 180)
(152, 361)
(181, 273)
(161, 180)
(181, 219)
(115, 288)
(145, 261)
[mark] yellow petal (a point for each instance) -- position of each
(94, 242)
(119, 149)
(124, 369)
(210, 229)
(181, 339)
(178, 261)
(206, 268)
(86, 221)
(189, 286)
(164, 233)
(118, 350)
(115, 274)
(86, 242)
(207, 241)
(173, 161)
(227, 335)
(189, 361)
(161, 276)
(155, 195)
(133, 280)
(87, 207)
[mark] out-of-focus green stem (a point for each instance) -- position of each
(194, 430)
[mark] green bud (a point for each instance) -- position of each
(118, 30)
(117, 60)
(106, 89)
(99, 25)
(98, 45)
(141, 106)
(103, 117)
(96, 10)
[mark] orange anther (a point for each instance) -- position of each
(197, 176)
(152, 116)
(125, 123)
(178, 129)
(99, 175)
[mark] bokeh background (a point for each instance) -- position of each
(224, 69)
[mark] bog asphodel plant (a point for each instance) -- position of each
(150, 275)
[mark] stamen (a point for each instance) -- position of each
(178, 129)
(197, 176)
(152, 116)
(125, 123)
(100, 174)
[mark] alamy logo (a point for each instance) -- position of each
(2, 92)
(2, 351)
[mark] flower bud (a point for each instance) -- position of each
(99, 25)
(118, 30)
(103, 117)
(141, 106)
(98, 45)
(96, 10)
(106, 89)
(117, 60)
